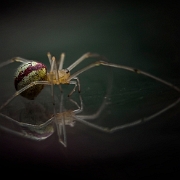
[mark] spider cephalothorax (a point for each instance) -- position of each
(59, 77)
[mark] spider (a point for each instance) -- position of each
(31, 77)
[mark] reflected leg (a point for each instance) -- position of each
(116, 128)
(76, 83)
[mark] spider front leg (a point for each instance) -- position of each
(22, 90)
(134, 70)
(16, 59)
(76, 83)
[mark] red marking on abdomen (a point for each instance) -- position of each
(26, 72)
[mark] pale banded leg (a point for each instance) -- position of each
(60, 126)
(82, 58)
(76, 83)
(23, 133)
(95, 115)
(80, 108)
(22, 90)
(61, 63)
(136, 122)
(138, 71)
(16, 59)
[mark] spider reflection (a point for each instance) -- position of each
(68, 118)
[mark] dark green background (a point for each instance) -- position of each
(141, 35)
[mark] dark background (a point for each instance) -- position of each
(143, 35)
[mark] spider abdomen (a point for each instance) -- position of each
(28, 73)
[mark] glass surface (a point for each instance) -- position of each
(143, 36)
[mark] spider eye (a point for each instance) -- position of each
(67, 71)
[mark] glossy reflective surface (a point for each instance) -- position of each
(144, 36)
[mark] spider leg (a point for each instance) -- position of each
(61, 131)
(39, 126)
(60, 88)
(60, 126)
(61, 61)
(116, 128)
(76, 83)
(106, 129)
(138, 71)
(80, 108)
(95, 115)
(22, 134)
(22, 90)
(16, 59)
(25, 127)
(82, 58)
